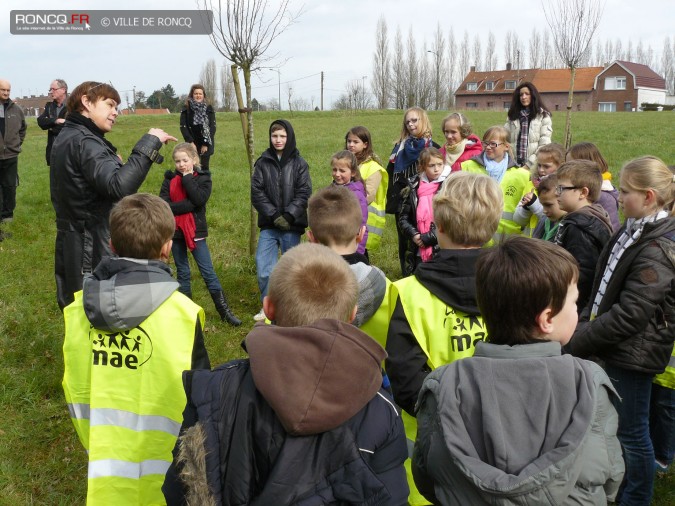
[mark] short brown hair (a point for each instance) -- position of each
(547, 184)
(468, 208)
(516, 281)
(582, 174)
(334, 216)
(140, 225)
(277, 126)
(311, 282)
(94, 91)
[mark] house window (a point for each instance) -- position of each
(507, 105)
(489, 86)
(471, 86)
(490, 105)
(472, 105)
(628, 106)
(509, 85)
(615, 83)
(607, 106)
(578, 107)
(557, 107)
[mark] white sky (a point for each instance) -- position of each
(333, 36)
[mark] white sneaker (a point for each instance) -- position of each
(260, 316)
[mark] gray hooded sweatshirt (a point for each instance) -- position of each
(518, 425)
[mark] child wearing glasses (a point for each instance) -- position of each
(586, 228)
(530, 211)
(629, 322)
(416, 220)
(497, 161)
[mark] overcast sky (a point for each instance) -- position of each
(333, 36)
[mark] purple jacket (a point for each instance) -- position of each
(360, 193)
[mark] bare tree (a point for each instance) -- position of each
(425, 81)
(546, 52)
(629, 51)
(381, 81)
(452, 68)
(508, 47)
(398, 71)
(227, 97)
(289, 92)
(243, 31)
(357, 96)
(668, 69)
(535, 49)
(411, 71)
(477, 53)
(573, 24)
(438, 52)
(464, 57)
(490, 53)
(208, 77)
(618, 49)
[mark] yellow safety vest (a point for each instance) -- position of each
(378, 324)
(444, 334)
(376, 215)
(513, 185)
(667, 378)
(126, 399)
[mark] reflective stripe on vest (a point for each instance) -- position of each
(123, 469)
(444, 334)
(376, 214)
(126, 398)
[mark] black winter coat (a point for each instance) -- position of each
(407, 222)
(91, 179)
(250, 459)
(198, 189)
(584, 234)
(192, 133)
(47, 121)
(635, 325)
(281, 187)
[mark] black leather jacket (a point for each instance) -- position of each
(90, 179)
(635, 325)
(47, 121)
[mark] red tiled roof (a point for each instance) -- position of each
(558, 80)
(644, 76)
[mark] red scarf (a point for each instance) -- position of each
(184, 222)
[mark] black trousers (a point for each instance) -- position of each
(9, 180)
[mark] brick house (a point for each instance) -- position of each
(625, 86)
(620, 86)
(494, 89)
(32, 105)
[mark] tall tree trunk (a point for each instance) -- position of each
(247, 130)
(568, 120)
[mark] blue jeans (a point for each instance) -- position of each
(270, 242)
(634, 388)
(662, 423)
(202, 257)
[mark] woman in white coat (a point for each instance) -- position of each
(529, 124)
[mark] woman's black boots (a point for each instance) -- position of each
(223, 309)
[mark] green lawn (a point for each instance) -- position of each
(41, 460)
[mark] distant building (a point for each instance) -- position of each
(620, 86)
(32, 105)
(625, 86)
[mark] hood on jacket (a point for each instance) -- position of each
(505, 450)
(586, 217)
(290, 149)
(451, 276)
(122, 292)
(315, 377)
(480, 159)
(372, 287)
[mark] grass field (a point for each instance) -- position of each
(41, 460)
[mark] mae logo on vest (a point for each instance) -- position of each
(120, 349)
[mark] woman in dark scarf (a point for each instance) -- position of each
(415, 136)
(529, 124)
(198, 124)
